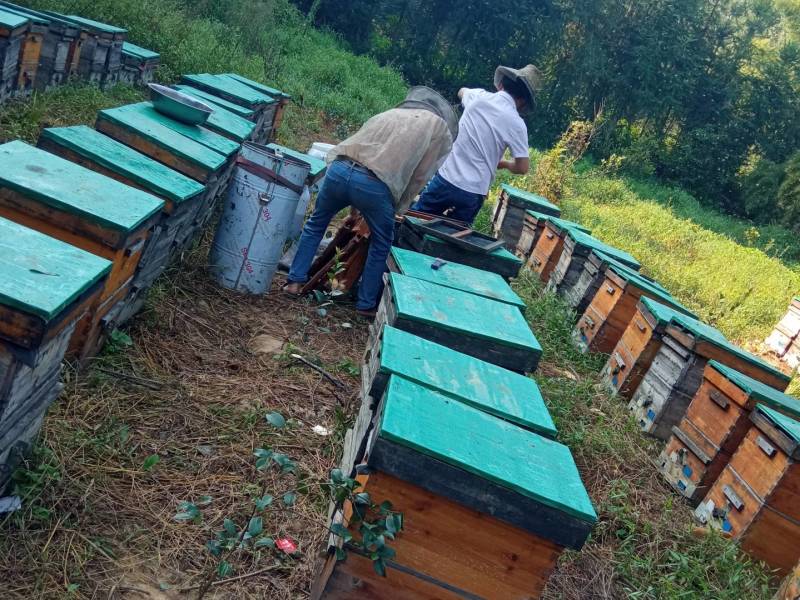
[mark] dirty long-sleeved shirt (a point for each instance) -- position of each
(403, 147)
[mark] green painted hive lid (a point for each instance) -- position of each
(67, 187)
(317, 165)
(532, 201)
(227, 85)
(227, 122)
(456, 276)
(459, 311)
(265, 89)
(157, 132)
(12, 20)
(139, 52)
(593, 243)
(95, 26)
(480, 384)
(236, 109)
(786, 424)
(117, 157)
(493, 449)
(760, 391)
(32, 15)
(41, 275)
(635, 278)
(558, 221)
(623, 268)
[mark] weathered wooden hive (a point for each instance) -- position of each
(532, 227)
(231, 125)
(13, 28)
(453, 275)
(486, 329)
(472, 528)
(45, 289)
(499, 261)
(209, 98)
(786, 333)
(756, 498)
(138, 64)
(277, 118)
(578, 246)
(609, 313)
(180, 194)
(676, 374)
(548, 248)
(509, 213)
(30, 53)
(715, 423)
(101, 53)
(83, 208)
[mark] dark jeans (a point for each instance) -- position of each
(350, 185)
(440, 196)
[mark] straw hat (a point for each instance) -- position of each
(529, 74)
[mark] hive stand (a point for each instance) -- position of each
(676, 373)
(509, 213)
(486, 329)
(548, 249)
(83, 208)
(602, 324)
(472, 527)
(101, 54)
(786, 332)
(453, 275)
(499, 261)
(282, 97)
(714, 425)
(138, 64)
(532, 227)
(45, 288)
(13, 28)
(755, 499)
(570, 266)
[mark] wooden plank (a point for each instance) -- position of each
(773, 539)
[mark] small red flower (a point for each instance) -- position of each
(287, 545)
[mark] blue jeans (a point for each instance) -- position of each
(348, 185)
(440, 196)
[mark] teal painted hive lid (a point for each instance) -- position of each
(32, 15)
(265, 89)
(139, 52)
(532, 201)
(96, 26)
(584, 239)
(480, 384)
(117, 157)
(317, 165)
(68, 187)
(40, 275)
(227, 122)
(787, 425)
(635, 278)
(493, 449)
(607, 260)
(455, 310)
(760, 391)
(236, 109)
(12, 20)
(559, 222)
(227, 85)
(456, 276)
(155, 131)
(499, 254)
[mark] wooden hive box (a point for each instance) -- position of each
(676, 374)
(453, 275)
(318, 166)
(277, 118)
(46, 286)
(231, 125)
(792, 356)
(108, 41)
(787, 331)
(548, 248)
(209, 98)
(138, 64)
(714, 425)
(756, 498)
(180, 194)
(499, 261)
(83, 208)
(472, 528)
(13, 28)
(609, 313)
(30, 54)
(509, 213)
(487, 329)
(532, 227)
(89, 63)
(578, 246)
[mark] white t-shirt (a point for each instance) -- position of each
(489, 125)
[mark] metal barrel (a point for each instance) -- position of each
(296, 226)
(259, 210)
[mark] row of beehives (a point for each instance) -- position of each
(454, 434)
(41, 50)
(731, 433)
(88, 221)
(784, 340)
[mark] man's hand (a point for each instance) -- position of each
(518, 166)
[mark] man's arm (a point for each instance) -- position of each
(518, 166)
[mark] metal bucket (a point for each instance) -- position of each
(259, 210)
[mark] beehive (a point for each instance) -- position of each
(180, 194)
(756, 497)
(578, 246)
(138, 64)
(509, 213)
(548, 249)
(282, 97)
(318, 166)
(13, 28)
(532, 227)
(453, 275)
(101, 54)
(676, 373)
(30, 54)
(604, 321)
(486, 329)
(499, 261)
(45, 288)
(209, 98)
(93, 212)
(714, 425)
(792, 356)
(231, 125)
(787, 331)
(472, 528)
